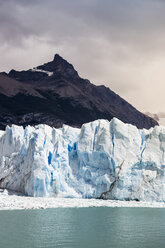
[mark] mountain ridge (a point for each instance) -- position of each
(64, 98)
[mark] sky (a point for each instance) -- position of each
(118, 43)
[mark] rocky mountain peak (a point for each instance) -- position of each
(54, 94)
(59, 66)
(59, 59)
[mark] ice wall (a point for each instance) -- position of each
(101, 160)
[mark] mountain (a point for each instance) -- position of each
(108, 160)
(54, 94)
(154, 116)
(159, 117)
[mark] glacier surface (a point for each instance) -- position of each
(108, 160)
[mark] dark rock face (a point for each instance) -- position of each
(61, 96)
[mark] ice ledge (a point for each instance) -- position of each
(109, 160)
(19, 202)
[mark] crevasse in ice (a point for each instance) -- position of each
(111, 160)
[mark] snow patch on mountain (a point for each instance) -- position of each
(39, 70)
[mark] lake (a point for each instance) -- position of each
(83, 227)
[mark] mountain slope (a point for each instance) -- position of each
(61, 96)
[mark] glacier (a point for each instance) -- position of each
(106, 160)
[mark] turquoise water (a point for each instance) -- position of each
(83, 227)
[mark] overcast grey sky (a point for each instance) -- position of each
(119, 43)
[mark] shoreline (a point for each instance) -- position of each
(17, 202)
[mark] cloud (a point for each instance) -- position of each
(117, 43)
